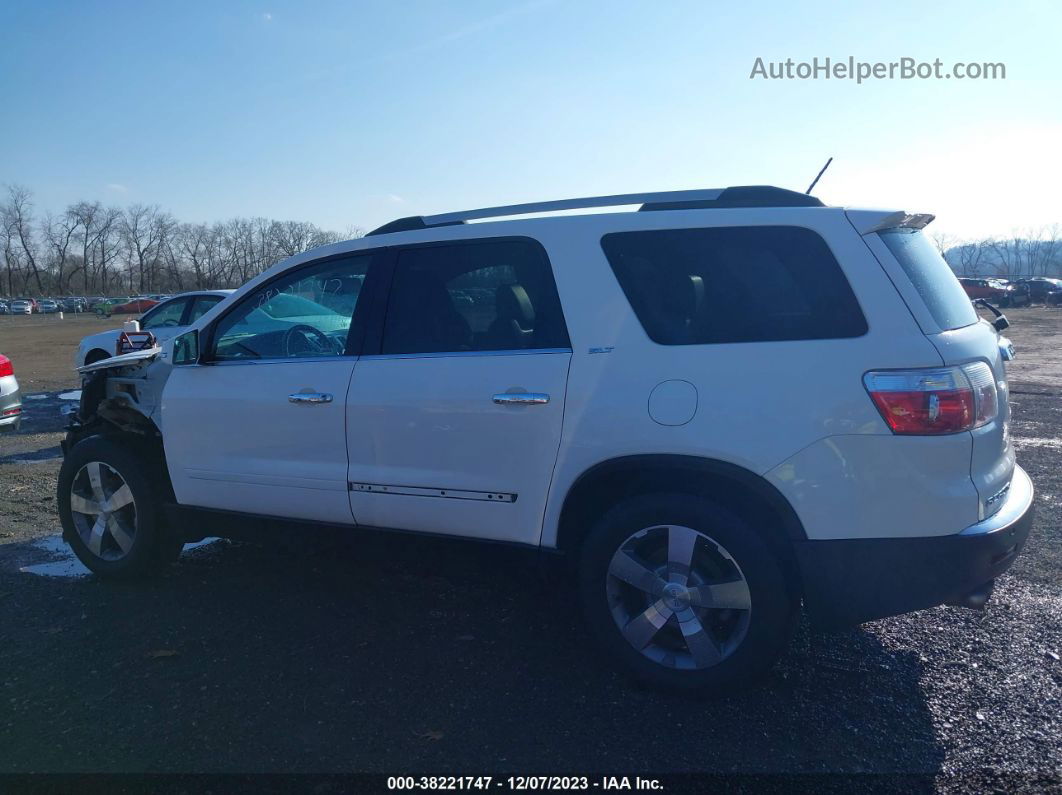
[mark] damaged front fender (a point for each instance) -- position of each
(123, 393)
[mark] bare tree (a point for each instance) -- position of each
(12, 254)
(88, 243)
(142, 232)
(970, 257)
(58, 233)
(18, 220)
(943, 242)
(107, 244)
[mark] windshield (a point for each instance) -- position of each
(931, 276)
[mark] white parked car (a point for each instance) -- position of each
(10, 398)
(719, 408)
(165, 321)
(20, 306)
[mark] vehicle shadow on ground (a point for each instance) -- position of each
(42, 415)
(403, 655)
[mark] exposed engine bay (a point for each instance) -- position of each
(123, 391)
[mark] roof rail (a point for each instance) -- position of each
(742, 196)
(713, 198)
(405, 225)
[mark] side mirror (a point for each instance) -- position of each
(186, 348)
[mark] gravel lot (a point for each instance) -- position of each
(403, 655)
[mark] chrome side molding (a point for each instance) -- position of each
(419, 491)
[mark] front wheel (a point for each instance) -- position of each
(110, 509)
(683, 594)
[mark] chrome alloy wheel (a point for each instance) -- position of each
(103, 511)
(678, 597)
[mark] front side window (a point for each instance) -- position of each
(734, 284)
(165, 315)
(306, 313)
(474, 296)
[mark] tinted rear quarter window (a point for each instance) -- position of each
(932, 277)
(734, 284)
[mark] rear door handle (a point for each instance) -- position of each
(521, 398)
(310, 397)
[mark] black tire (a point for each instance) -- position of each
(768, 625)
(96, 355)
(151, 547)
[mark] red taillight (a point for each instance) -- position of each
(934, 401)
(6, 368)
(11, 412)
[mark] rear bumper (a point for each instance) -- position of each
(849, 581)
(10, 400)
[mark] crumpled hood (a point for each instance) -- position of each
(121, 361)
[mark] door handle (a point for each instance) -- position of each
(310, 397)
(521, 398)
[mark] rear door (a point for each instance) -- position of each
(951, 323)
(454, 419)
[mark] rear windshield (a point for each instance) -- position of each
(944, 297)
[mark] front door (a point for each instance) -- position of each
(454, 424)
(258, 425)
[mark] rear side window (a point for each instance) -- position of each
(165, 315)
(931, 276)
(202, 305)
(734, 284)
(483, 296)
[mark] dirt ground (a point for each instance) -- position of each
(43, 347)
(406, 655)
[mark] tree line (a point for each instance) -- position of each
(1034, 252)
(93, 249)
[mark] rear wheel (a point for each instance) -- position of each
(96, 355)
(111, 511)
(683, 594)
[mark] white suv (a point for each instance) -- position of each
(717, 408)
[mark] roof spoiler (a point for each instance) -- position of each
(868, 221)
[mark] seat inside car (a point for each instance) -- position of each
(513, 327)
(424, 318)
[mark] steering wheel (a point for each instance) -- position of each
(312, 341)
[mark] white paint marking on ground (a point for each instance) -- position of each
(1037, 441)
(66, 563)
(75, 395)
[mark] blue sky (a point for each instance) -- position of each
(350, 114)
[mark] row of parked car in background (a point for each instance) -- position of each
(1019, 292)
(99, 304)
